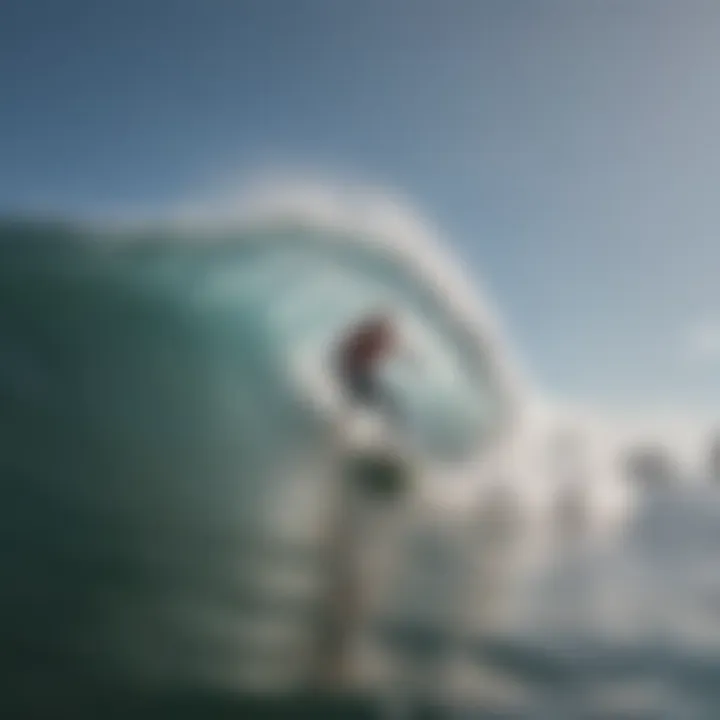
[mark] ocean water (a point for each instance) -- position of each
(167, 465)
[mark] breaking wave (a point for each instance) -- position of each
(167, 405)
(164, 405)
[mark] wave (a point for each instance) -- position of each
(164, 393)
(158, 434)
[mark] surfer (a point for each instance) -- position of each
(359, 356)
(381, 471)
(357, 359)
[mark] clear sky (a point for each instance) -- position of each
(570, 150)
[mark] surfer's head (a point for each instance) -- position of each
(381, 326)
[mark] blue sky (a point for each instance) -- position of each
(570, 150)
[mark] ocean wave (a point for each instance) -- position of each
(157, 429)
(166, 402)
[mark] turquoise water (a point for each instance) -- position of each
(162, 457)
(163, 470)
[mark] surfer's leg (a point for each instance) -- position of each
(361, 388)
(377, 396)
(368, 391)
